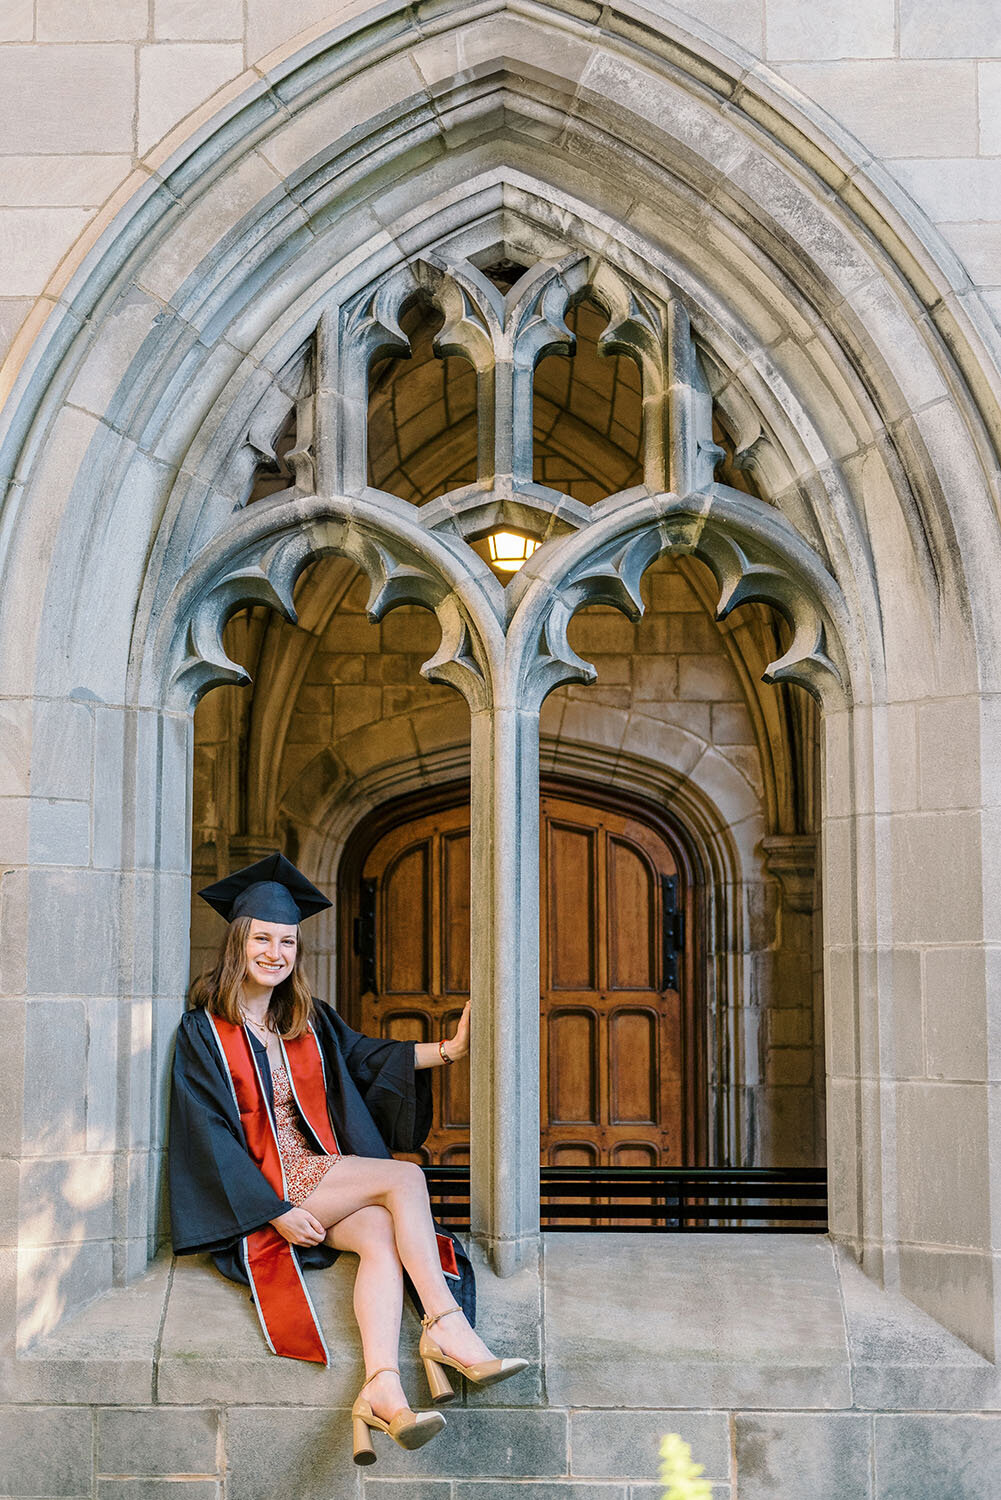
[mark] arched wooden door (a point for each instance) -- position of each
(617, 1083)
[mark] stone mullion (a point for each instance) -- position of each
(504, 922)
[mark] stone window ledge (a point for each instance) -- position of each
(697, 1321)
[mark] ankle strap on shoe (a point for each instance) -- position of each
(429, 1322)
(385, 1370)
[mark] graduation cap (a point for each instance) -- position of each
(273, 890)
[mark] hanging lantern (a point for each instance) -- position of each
(508, 550)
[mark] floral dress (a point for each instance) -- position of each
(304, 1168)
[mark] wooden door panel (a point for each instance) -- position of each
(632, 935)
(613, 1084)
(572, 907)
(573, 1066)
(404, 913)
(405, 1025)
(633, 1093)
(455, 911)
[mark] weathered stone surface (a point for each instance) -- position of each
(45, 1451)
(736, 1336)
(498, 1444)
(188, 21)
(970, 28)
(829, 30)
(917, 1454)
(897, 107)
(158, 1489)
(625, 1445)
(174, 77)
(178, 1440)
(825, 1454)
(96, 91)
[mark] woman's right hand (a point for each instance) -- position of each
(299, 1227)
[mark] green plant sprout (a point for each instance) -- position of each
(679, 1473)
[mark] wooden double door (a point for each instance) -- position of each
(617, 1084)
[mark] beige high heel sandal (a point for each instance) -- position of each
(487, 1372)
(411, 1429)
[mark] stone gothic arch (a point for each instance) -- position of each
(746, 260)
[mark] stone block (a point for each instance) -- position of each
(9, 1189)
(707, 679)
(158, 1489)
(937, 895)
(655, 678)
(17, 21)
(45, 1451)
(921, 1455)
(828, 29)
(989, 95)
(60, 181)
(72, 928)
(823, 1455)
(175, 77)
(32, 243)
(174, 1440)
(956, 1286)
(353, 706)
(91, 20)
(67, 1199)
(942, 1161)
(625, 1444)
(408, 1489)
(270, 22)
(497, 1444)
(949, 753)
(59, 833)
(656, 1492)
(967, 28)
(571, 1490)
(700, 1321)
(896, 107)
(95, 87)
(597, 631)
(955, 1013)
(13, 312)
(61, 749)
(731, 725)
(193, 21)
(297, 1453)
(55, 1061)
(953, 189)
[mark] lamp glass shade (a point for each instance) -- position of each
(508, 550)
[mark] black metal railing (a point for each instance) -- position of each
(649, 1200)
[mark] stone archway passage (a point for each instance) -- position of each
(621, 1070)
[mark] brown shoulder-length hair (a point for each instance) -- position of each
(218, 989)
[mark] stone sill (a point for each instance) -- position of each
(671, 1322)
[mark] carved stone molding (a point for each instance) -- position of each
(792, 859)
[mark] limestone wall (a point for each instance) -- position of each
(88, 89)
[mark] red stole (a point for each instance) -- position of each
(283, 1303)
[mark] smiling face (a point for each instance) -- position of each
(270, 953)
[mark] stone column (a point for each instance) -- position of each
(504, 920)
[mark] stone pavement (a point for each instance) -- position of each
(789, 1372)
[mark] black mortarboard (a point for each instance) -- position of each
(273, 890)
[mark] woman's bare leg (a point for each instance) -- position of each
(398, 1186)
(378, 1300)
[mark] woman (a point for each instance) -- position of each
(282, 1121)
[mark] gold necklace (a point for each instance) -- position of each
(258, 1025)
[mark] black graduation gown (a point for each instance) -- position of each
(379, 1103)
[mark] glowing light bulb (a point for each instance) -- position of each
(509, 551)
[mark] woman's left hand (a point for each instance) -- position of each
(458, 1044)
